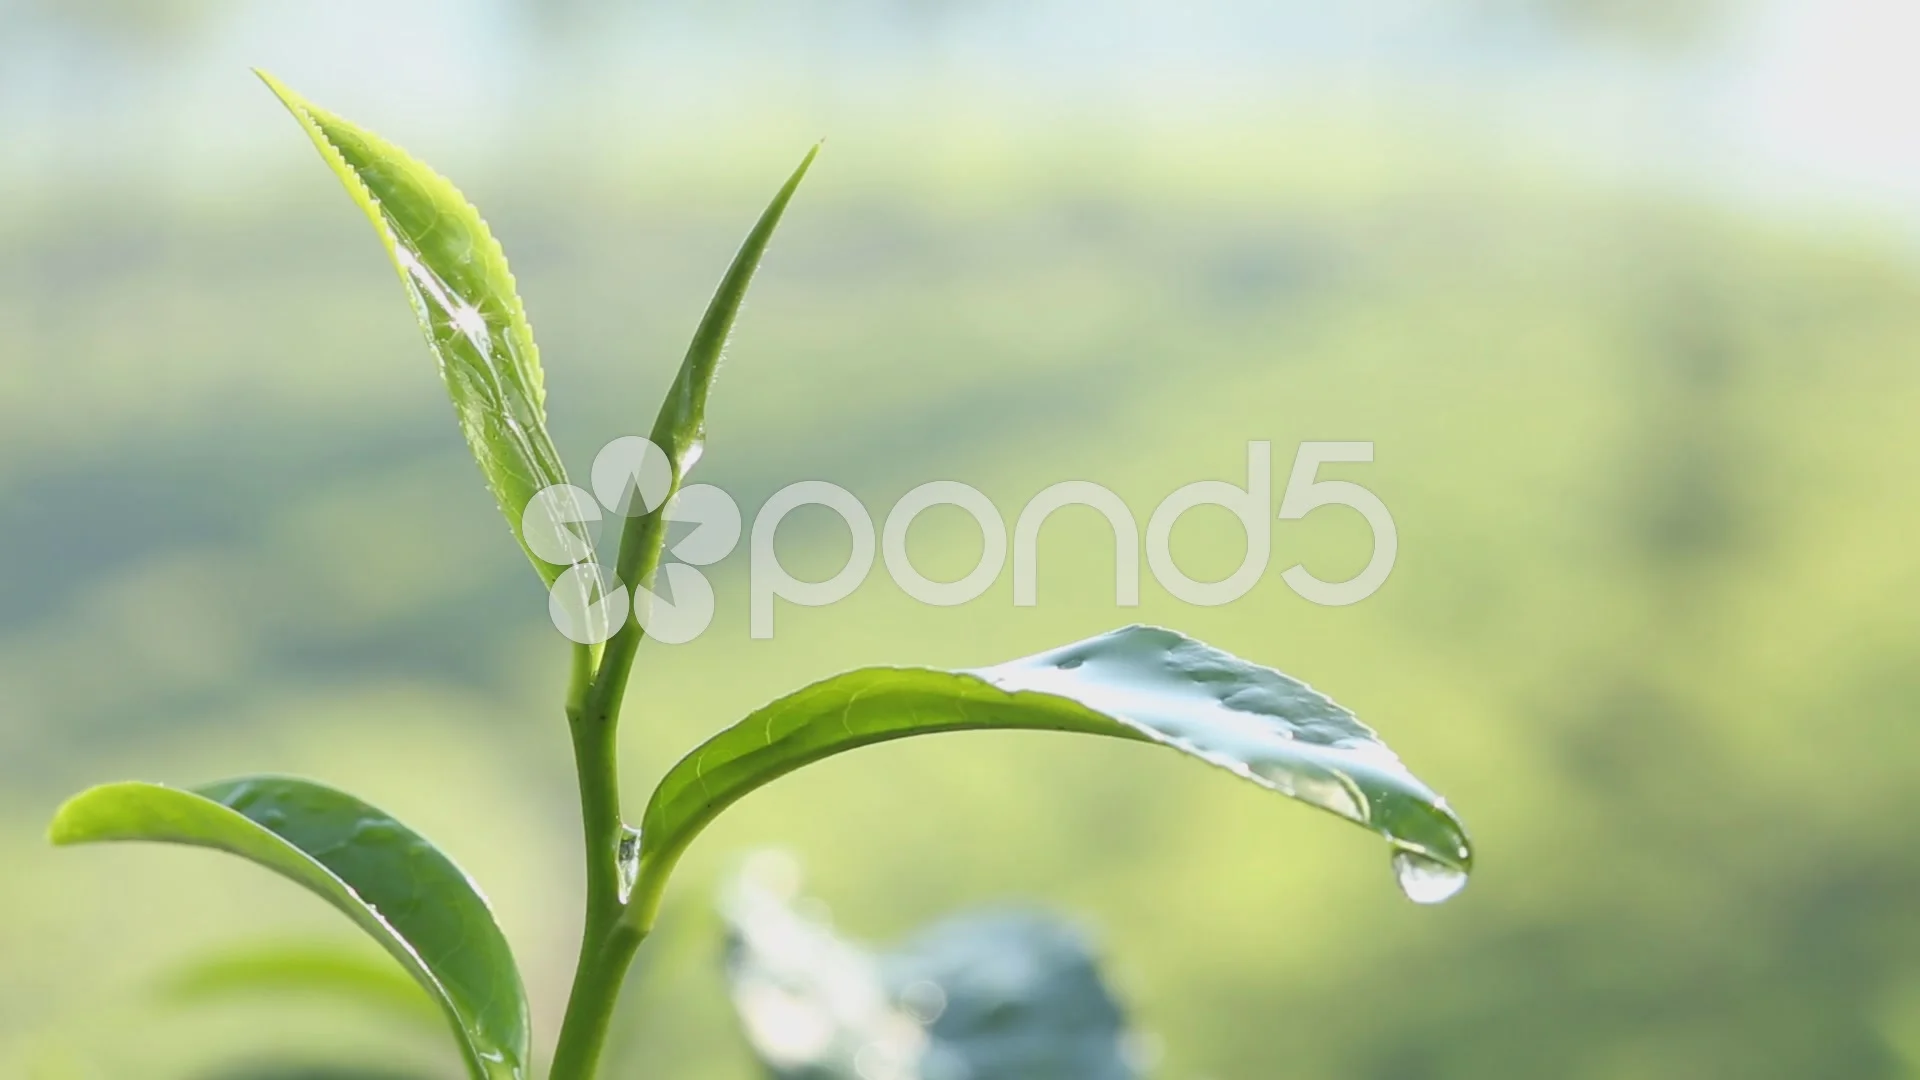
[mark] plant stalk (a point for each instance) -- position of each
(607, 942)
(604, 960)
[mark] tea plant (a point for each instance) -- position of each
(1139, 683)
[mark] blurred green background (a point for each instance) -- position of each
(1626, 294)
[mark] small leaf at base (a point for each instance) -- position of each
(396, 886)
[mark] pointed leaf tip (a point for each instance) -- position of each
(681, 425)
(680, 428)
(464, 298)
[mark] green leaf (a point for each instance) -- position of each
(327, 969)
(1023, 995)
(399, 888)
(993, 994)
(1140, 683)
(681, 427)
(313, 1073)
(464, 297)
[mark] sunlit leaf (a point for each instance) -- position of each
(1139, 683)
(465, 299)
(681, 427)
(394, 884)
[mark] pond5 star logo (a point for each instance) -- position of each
(631, 477)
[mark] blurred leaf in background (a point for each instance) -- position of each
(1013, 994)
(296, 969)
(310, 1073)
(1000, 995)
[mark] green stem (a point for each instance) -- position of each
(604, 960)
(596, 763)
(607, 941)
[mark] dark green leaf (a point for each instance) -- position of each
(464, 297)
(398, 887)
(1140, 683)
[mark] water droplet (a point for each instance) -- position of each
(629, 858)
(500, 1065)
(1426, 880)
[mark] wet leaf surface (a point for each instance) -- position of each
(1140, 683)
(465, 299)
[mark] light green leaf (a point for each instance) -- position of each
(681, 427)
(363, 976)
(1140, 683)
(464, 297)
(396, 886)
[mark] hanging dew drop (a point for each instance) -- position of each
(628, 859)
(1426, 880)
